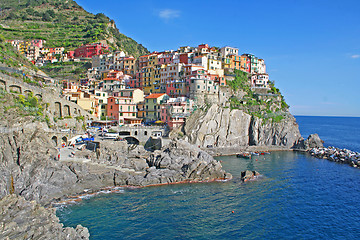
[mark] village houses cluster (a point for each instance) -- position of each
(161, 87)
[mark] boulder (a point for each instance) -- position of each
(249, 175)
(314, 141)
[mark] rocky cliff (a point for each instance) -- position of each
(31, 171)
(21, 219)
(28, 165)
(222, 127)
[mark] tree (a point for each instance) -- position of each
(46, 17)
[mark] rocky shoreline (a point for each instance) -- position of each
(338, 155)
(31, 170)
(22, 219)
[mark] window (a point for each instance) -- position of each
(110, 107)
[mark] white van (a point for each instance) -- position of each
(111, 135)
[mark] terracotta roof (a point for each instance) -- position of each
(154, 95)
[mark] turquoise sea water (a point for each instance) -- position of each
(298, 197)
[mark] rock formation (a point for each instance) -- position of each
(222, 127)
(337, 155)
(28, 164)
(29, 168)
(21, 219)
(249, 175)
(313, 141)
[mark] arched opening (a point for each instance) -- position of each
(28, 92)
(132, 140)
(66, 111)
(135, 133)
(15, 89)
(145, 133)
(54, 141)
(58, 109)
(64, 140)
(3, 84)
(38, 96)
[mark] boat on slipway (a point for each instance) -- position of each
(244, 155)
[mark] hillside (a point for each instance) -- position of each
(61, 24)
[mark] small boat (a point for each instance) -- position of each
(255, 153)
(263, 153)
(243, 155)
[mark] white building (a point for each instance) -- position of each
(260, 80)
(226, 51)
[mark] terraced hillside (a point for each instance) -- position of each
(62, 23)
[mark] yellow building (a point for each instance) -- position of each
(152, 105)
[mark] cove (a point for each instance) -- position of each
(298, 197)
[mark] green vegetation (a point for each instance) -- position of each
(30, 105)
(68, 70)
(62, 24)
(269, 107)
(241, 81)
(21, 105)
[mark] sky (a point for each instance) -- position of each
(311, 47)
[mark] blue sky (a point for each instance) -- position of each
(311, 48)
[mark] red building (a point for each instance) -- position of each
(70, 54)
(87, 51)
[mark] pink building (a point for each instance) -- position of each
(121, 108)
(89, 50)
(175, 111)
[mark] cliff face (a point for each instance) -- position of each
(222, 127)
(21, 219)
(29, 166)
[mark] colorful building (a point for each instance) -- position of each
(89, 50)
(121, 108)
(152, 105)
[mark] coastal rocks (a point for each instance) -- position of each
(21, 219)
(223, 128)
(249, 175)
(181, 161)
(29, 166)
(313, 141)
(337, 155)
(284, 133)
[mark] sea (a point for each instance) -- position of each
(296, 197)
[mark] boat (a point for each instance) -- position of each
(263, 153)
(243, 155)
(255, 153)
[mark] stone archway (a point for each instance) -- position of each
(58, 112)
(28, 92)
(3, 84)
(64, 140)
(15, 88)
(66, 111)
(132, 140)
(54, 140)
(38, 96)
